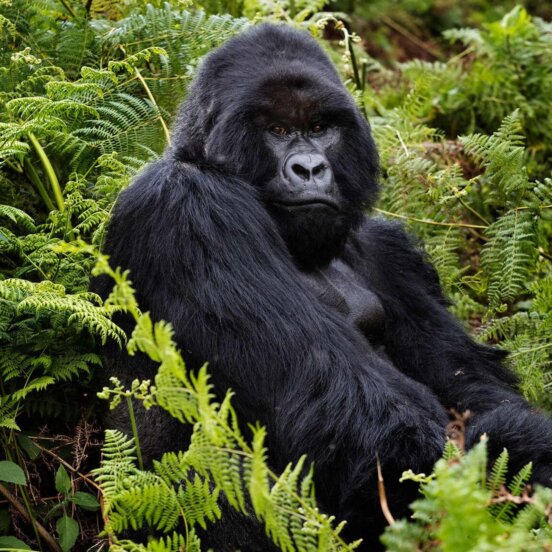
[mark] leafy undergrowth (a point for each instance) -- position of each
(87, 93)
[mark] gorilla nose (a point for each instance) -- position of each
(302, 167)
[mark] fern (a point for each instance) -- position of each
(37, 322)
(170, 543)
(504, 512)
(198, 501)
(509, 72)
(498, 472)
(459, 490)
(509, 256)
(502, 155)
(18, 216)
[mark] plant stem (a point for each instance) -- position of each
(54, 182)
(135, 432)
(384, 505)
(428, 221)
(473, 211)
(363, 76)
(354, 64)
(531, 350)
(292, 9)
(356, 74)
(13, 455)
(68, 8)
(52, 544)
(152, 100)
(37, 183)
(91, 482)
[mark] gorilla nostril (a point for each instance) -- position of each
(319, 169)
(300, 171)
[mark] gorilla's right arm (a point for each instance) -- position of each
(204, 255)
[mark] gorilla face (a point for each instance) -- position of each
(274, 112)
(301, 134)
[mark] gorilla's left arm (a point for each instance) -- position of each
(428, 344)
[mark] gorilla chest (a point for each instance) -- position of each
(339, 287)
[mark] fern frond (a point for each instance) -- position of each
(504, 512)
(198, 501)
(509, 256)
(499, 470)
(146, 501)
(18, 216)
(118, 463)
(169, 543)
(502, 155)
(520, 479)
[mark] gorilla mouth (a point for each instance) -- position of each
(311, 202)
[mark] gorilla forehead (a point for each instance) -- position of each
(269, 61)
(295, 100)
(290, 107)
(260, 49)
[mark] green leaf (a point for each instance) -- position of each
(85, 500)
(63, 481)
(68, 531)
(12, 543)
(11, 473)
(33, 452)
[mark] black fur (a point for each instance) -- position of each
(255, 296)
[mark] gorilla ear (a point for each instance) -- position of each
(209, 117)
(233, 143)
(216, 135)
(192, 129)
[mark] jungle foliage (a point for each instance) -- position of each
(88, 90)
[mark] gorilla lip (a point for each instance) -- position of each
(308, 202)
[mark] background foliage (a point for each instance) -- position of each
(88, 90)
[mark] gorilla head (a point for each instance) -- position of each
(269, 108)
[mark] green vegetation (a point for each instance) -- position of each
(88, 90)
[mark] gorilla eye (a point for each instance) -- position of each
(278, 130)
(317, 128)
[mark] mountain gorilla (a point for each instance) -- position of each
(250, 236)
